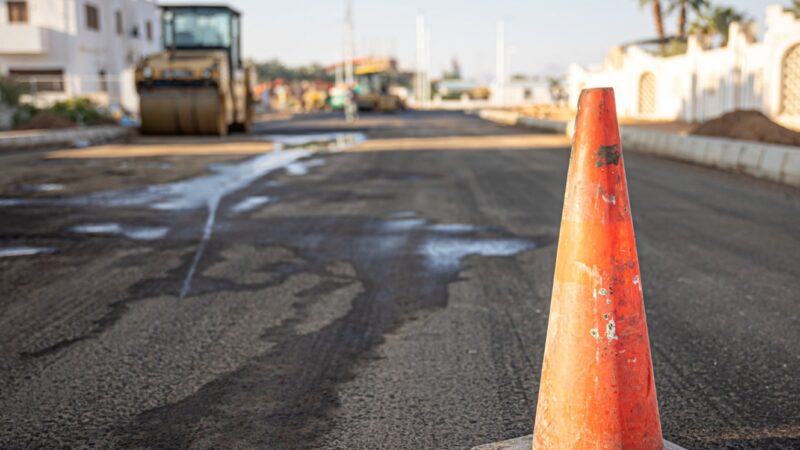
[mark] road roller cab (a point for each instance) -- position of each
(199, 83)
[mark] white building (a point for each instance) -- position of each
(522, 92)
(704, 83)
(67, 48)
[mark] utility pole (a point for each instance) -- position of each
(419, 79)
(348, 46)
(349, 105)
(500, 63)
(428, 64)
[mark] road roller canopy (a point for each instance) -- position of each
(193, 27)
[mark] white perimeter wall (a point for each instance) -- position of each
(702, 83)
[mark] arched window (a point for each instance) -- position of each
(790, 82)
(647, 94)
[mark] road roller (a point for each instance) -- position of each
(199, 84)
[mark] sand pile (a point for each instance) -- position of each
(748, 125)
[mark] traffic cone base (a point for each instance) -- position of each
(525, 443)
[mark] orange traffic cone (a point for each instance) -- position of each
(597, 389)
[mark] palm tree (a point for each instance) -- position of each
(658, 17)
(682, 6)
(716, 20)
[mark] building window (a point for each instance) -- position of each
(118, 16)
(101, 77)
(790, 82)
(647, 94)
(39, 80)
(149, 30)
(17, 12)
(92, 17)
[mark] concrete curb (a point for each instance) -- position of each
(778, 163)
(18, 140)
(526, 443)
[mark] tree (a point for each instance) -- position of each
(455, 71)
(715, 21)
(658, 17)
(274, 69)
(683, 6)
(10, 91)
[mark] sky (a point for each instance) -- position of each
(541, 37)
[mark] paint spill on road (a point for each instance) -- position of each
(445, 253)
(321, 141)
(139, 233)
(208, 190)
(303, 167)
(453, 227)
(201, 192)
(443, 245)
(251, 203)
(24, 251)
(46, 187)
(403, 224)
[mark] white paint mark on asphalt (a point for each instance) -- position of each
(230, 178)
(251, 203)
(98, 228)
(188, 194)
(402, 224)
(302, 167)
(321, 141)
(24, 251)
(205, 191)
(208, 228)
(453, 227)
(46, 187)
(138, 233)
(445, 253)
(145, 233)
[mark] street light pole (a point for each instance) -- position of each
(500, 63)
(419, 79)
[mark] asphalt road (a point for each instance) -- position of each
(370, 299)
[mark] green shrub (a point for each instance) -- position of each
(10, 91)
(78, 110)
(24, 113)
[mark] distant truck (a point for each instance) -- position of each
(377, 87)
(375, 83)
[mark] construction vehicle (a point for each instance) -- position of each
(375, 80)
(199, 83)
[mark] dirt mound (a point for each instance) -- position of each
(45, 120)
(748, 125)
